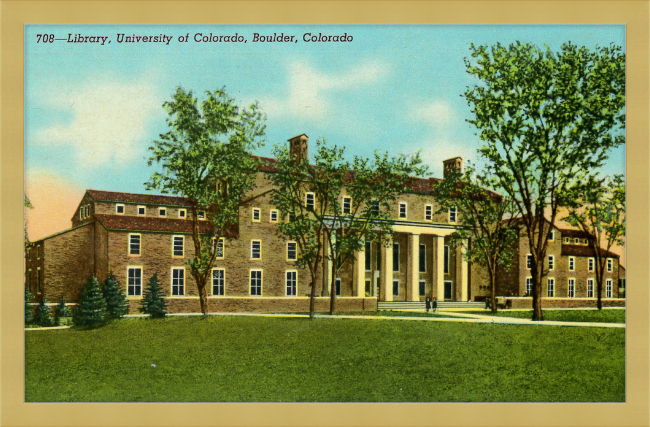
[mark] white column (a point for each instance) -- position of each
(463, 273)
(360, 272)
(387, 271)
(413, 267)
(439, 266)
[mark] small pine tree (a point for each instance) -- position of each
(116, 305)
(29, 311)
(91, 309)
(63, 310)
(43, 316)
(153, 303)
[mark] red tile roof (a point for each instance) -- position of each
(566, 232)
(152, 199)
(578, 250)
(147, 223)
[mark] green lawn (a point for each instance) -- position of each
(600, 316)
(255, 359)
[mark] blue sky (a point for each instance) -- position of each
(91, 111)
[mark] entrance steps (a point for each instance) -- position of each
(421, 305)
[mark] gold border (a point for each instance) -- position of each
(634, 14)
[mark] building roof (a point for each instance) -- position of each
(147, 223)
(567, 232)
(151, 199)
(580, 250)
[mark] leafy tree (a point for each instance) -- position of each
(91, 309)
(599, 210)
(205, 156)
(547, 120)
(28, 204)
(43, 316)
(153, 302)
(326, 223)
(116, 305)
(29, 311)
(484, 217)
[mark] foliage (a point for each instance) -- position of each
(29, 311)
(331, 360)
(43, 316)
(205, 156)
(63, 310)
(153, 302)
(326, 225)
(598, 209)
(91, 309)
(547, 121)
(484, 219)
(28, 204)
(116, 305)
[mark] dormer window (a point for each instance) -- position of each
(162, 212)
(567, 240)
(577, 241)
(182, 213)
(119, 209)
(141, 210)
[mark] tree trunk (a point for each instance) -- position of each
(203, 295)
(600, 275)
(333, 289)
(493, 290)
(538, 315)
(312, 296)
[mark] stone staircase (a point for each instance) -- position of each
(421, 305)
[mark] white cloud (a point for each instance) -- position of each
(437, 114)
(109, 120)
(309, 88)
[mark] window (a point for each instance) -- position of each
(141, 210)
(256, 282)
(551, 287)
(610, 265)
(452, 214)
(586, 241)
(218, 247)
(590, 288)
(396, 288)
(182, 213)
(292, 278)
(200, 215)
(178, 281)
(423, 258)
(119, 209)
(218, 281)
(256, 215)
(577, 241)
(177, 246)
(375, 207)
(567, 240)
(395, 256)
(347, 205)
(591, 264)
(368, 290)
(338, 286)
(551, 235)
(134, 282)
(423, 287)
(529, 285)
(551, 262)
(38, 252)
(38, 280)
(368, 257)
(29, 279)
(378, 260)
(402, 210)
(446, 265)
(428, 213)
(309, 201)
(81, 213)
(134, 244)
(256, 249)
(292, 251)
(572, 288)
(608, 288)
(162, 212)
(274, 216)
(572, 263)
(29, 254)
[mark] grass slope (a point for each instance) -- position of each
(254, 359)
(598, 316)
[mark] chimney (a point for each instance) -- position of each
(299, 147)
(455, 163)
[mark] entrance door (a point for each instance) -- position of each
(447, 289)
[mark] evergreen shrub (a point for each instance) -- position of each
(91, 309)
(153, 303)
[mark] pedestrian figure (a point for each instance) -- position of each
(428, 304)
(487, 303)
(434, 304)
